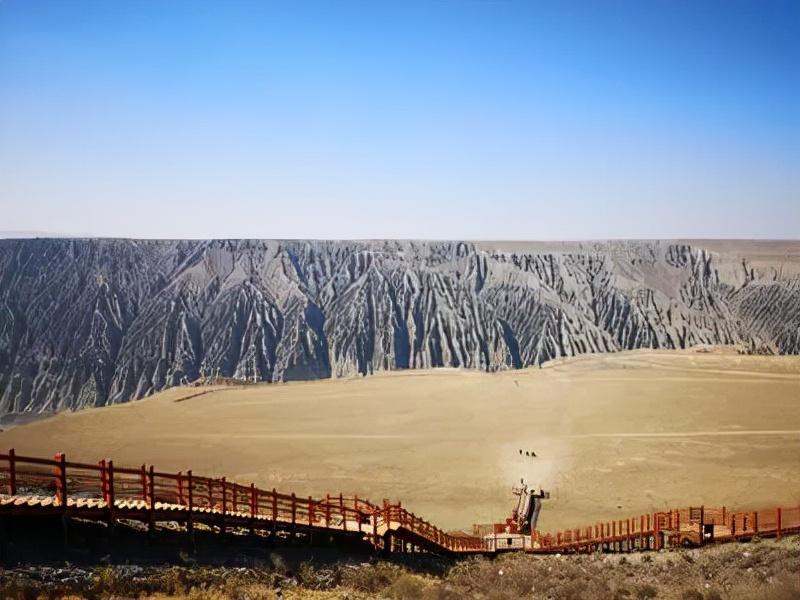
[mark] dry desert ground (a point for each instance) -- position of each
(614, 435)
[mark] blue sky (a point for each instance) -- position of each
(479, 120)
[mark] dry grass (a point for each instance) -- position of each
(766, 570)
(728, 573)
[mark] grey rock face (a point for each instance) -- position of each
(94, 322)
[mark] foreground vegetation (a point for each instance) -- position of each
(760, 570)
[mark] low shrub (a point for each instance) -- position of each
(646, 591)
(407, 587)
(371, 578)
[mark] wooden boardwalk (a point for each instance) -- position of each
(675, 528)
(108, 493)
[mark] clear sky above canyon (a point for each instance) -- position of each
(481, 120)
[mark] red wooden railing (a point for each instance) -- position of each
(673, 528)
(146, 488)
(397, 514)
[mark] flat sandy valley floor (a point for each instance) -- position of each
(615, 435)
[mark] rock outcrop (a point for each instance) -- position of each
(93, 322)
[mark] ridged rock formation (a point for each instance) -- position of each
(93, 322)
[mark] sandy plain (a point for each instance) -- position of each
(614, 435)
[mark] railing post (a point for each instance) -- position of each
(143, 479)
(375, 529)
(12, 472)
(61, 479)
(656, 532)
(253, 508)
(327, 510)
(311, 519)
(107, 487)
(190, 494)
(151, 521)
(628, 535)
(755, 522)
(341, 510)
(151, 487)
(274, 514)
(358, 512)
(180, 488)
(60, 473)
(702, 524)
(614, 535)
(110, 499)
(294, 515)
(103, 480)
(778, 522)
(641, 532)
(224, 485)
